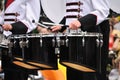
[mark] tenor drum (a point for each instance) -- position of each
(35, 49)
(81, 51)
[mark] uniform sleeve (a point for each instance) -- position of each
(32, 13)
(88, 20)
(100, 13)
(19, 28)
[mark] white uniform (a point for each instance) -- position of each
(84, 8)
(24, 11)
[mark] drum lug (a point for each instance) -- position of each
(83, 39)
(40, 42)
(97, 42)
(10, 45)
(62, 42)
(14, 42)
(27, 43)
(57, 50)
(53, 42)
(66, 42)
(83, 42)
(101, 43)
(58, 41)
(22, 44)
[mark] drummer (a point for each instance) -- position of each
(88, 16)
(17, 19)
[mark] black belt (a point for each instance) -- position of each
(74, 3)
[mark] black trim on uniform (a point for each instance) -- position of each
(74, 3)
(19, 28)
(12, 14)
(88, 21)
(63, 28)
(63, 22)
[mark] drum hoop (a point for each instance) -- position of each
(21, 36)
(83, 34)
(88, 34)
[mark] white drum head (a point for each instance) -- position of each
(115, 5)
(54, 9)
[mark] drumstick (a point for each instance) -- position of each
(48, 23)
(54, 24)
(41, 25)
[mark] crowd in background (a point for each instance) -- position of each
(114, 47)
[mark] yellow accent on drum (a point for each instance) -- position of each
(59, 74)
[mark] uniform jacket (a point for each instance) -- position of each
(89, 12)
(21, 13)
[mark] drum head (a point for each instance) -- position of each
(114, 5)
(54, 10)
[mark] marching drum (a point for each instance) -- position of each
(34, 49)
(81, 51)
